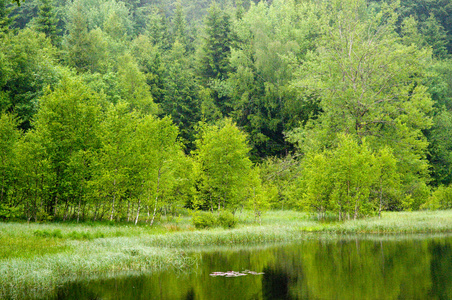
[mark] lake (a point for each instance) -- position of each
(348, 267)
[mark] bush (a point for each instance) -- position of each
(227, 220)
(48, 234)
(203, 219)
(10, 213)
(441, 198)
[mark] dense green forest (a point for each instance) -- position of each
(127, 110)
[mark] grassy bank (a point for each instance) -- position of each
(35, 258)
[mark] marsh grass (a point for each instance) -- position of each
(36, 258)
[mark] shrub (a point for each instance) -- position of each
(10, 213)
(227, 220)
(441, 198)
(48, 234)
(203, 219)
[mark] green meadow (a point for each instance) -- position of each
(36, 258)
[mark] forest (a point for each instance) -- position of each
(127, 110)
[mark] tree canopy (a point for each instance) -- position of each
(120, 110)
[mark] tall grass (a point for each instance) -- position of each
(29, 278)
(35, 258)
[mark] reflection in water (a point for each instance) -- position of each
(348, 268)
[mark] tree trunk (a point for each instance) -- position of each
(138, 212)
(103, 211)
(83, 211)
(156, 196)
(148, 212)
(66, 211)
(96, 211)
(381, 201)
(356, 209)
(78, 209)
(56, 204)
(128, 211)
(113, 202)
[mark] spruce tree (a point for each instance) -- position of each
(46, 21)
(5, 20)
(179, 32)
(217, 45)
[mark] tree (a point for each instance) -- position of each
(214, 60)
(134, 89)
(85, 48)
(435, 36)
(46, 22)
(5, 20)
(156, 152)
(111, 163)
(9, 137)
(179, 31)
(29, 66)
(282, 173)
(348, 179)
(67, 125)
(34, 176)
(370, 86)
(157, 30)
(270, 41)
(423, 10)
(440, 147)
(180, 100)
(260, 195)
(387, 184)
(222, 155)
(77, 41)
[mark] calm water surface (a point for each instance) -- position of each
(416, 267)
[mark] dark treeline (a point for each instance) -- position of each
(126, 110)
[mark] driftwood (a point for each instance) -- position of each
(235, 274)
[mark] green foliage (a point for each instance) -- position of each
(346, 180)
(428, 12)
(5, 20)
(181, 93)
(282, 174)
(272, 41)
(441, 147)
(224, 166)
(29, 66)
(56, 233)
(9, 137)
(133, 87)
(109, 115)
(259, 195)
(440, 198)
(226, 219)
(9, 212)
(214, 60)
(67, 126)
(203, 219)
(46, 22)
(155, 161)
(382, 102)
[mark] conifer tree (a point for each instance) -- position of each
(46, 21)
(5, 20)
(217, 45)
(179, 30)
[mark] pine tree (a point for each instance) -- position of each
(217, 45)
(5, 20)
(46, 21)
(179, 32)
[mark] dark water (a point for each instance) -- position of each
(348, 268)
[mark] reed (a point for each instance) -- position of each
(35, 258)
